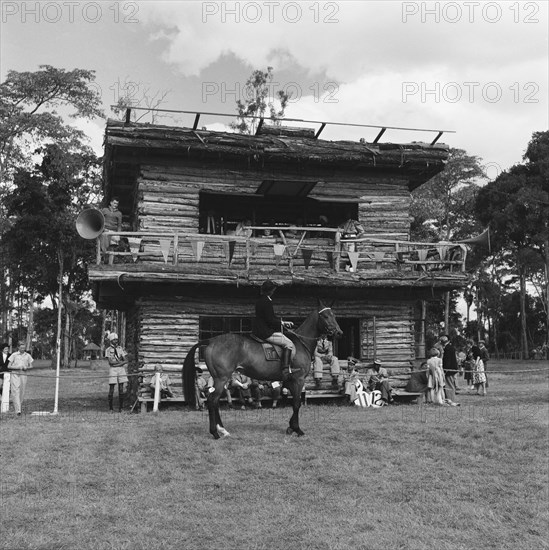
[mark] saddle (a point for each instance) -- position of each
(271, 351)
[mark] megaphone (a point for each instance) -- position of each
(90, 223)
(480, 240)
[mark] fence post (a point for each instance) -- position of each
(156, 391)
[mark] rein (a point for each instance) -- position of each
(302, 337)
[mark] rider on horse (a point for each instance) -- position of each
(268, 327)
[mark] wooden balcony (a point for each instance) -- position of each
(293, 255)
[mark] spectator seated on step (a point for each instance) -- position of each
(266, 388)
(351, 378)
(164, 380)
(324, 355)
(378, 379)
(243, 386)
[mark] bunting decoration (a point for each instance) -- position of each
(378, 256)
(229, 250)
(135, 245)
(278, 252)
(165, 248)
(422, 254)
(307, 255)
(197, 249)
(353, 258)
(279, 249)
(442, 251)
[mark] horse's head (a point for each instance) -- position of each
(327, 323)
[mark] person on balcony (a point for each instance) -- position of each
(324, 355)
(350, 229)
(269, 327)
(113, 222)
(243, 229)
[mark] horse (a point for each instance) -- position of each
(226, 352)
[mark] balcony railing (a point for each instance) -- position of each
(296, 247)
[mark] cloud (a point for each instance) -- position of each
(346, 39)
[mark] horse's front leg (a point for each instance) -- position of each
(216, 426)
(296, 405)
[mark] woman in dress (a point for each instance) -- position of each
(468, 364)
(479, 378)
(435, 384)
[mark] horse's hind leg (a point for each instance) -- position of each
(295, 389)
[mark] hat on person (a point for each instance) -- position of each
(444, 339)
(352, 360)
(268, 286)
(377, 362)
(113, 336)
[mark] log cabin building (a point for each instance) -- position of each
(188, 275)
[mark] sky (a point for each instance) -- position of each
(479, 69)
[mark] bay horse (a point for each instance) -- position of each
(226, 352)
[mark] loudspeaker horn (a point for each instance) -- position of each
(90, 223)
(480, 240)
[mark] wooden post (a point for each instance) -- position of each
(374, 339)
(5, 407)
(421, 345)
(337, 250)
(247, 255)
(446, 311)
(156, 391)
(175, 248)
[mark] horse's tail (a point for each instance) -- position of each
(189, 376)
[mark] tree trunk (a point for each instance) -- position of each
(523, 335)
(3, 303)
(30, 327)
(447, 312)
(103, 327)
(66, 339)
(546, 246)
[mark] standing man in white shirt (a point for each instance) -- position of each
(18, 363)
(117, 358)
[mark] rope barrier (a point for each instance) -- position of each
(130, 374)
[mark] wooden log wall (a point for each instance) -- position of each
(168, 199)
(168, 328)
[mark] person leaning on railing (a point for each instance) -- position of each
(113, 222)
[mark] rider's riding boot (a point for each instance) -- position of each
(285, 363)
(110, 402)
(121, 402)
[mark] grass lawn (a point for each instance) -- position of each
(402, 477)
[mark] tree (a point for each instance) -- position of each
(516, 207)
(28, 116)
(42, 242)
(29, 126)
(443, 208)
(257, 102)
(138, 94)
